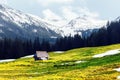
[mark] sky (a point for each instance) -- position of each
(67, 9)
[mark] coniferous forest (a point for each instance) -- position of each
(110, 34)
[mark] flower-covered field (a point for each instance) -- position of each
(76, 64)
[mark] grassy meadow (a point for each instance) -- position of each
(65, 66)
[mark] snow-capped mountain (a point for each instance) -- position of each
(14, 23)
(83, 25)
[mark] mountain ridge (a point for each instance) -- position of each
(14, 23)
(17, 23)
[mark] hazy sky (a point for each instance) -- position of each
(68, 9)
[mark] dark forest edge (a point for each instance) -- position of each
(11, 49)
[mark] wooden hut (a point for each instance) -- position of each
(41, 55)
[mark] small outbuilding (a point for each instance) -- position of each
(41, 55)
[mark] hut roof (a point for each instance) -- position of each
(42, 54)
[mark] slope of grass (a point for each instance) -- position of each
(63, 66)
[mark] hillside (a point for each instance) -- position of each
(76, 64)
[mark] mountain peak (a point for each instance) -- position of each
(2, 6)
(117, 19)
(14, 23)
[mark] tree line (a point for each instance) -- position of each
(109, 34)
(12, 49)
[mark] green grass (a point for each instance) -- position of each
(63, 66)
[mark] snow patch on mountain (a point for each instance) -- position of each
(1, 31)
(1, 25)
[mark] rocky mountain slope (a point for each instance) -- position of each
(14, 23)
